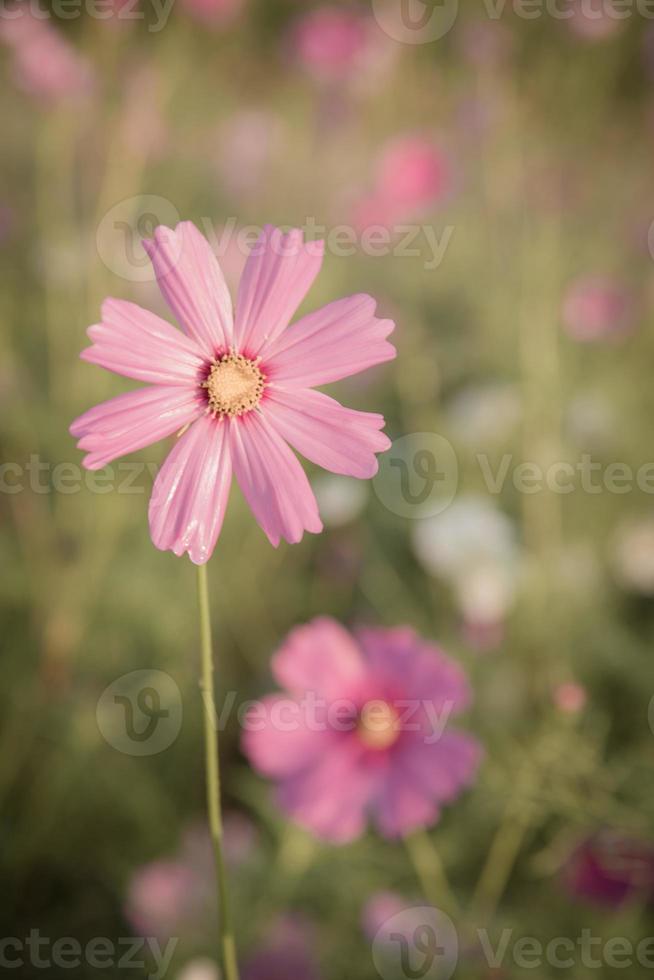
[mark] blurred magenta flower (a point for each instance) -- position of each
(214, 13)
(412, 174)
(380, 907)
(610, 869)
(570, 697)
(244, 384)
(595, 308)
(286, 955)
(175, 895)
(45, 64)
(330, 42)
(595, 20)
(160, 896)
(361, 731)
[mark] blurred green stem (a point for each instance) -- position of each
(499, 864)
(212, 762)
(430, 871)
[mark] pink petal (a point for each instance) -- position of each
(193, 285)
(418, 668)
(444, 767)
(403, 805)
(278, 274)
(277, 739)
(272, 480)
(138, 344)
(321, 657)
(337, 438)
(189, 497)
(331, 797)
(134, 420)
(340, 339)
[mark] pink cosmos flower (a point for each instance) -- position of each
(44, 65)
(242, 385)
(361, 731)
(286, 955)
(330, 42)
(610, 869)
(412, 174)
(570, 697)
(595, 308)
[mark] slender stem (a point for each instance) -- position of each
(499, 865)
(430, 871)
(212, 762)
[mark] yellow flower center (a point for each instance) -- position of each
(378, 725)
(234, 385)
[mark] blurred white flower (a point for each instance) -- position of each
(340, 498)
(483, 415)
(200, 969)
(633, 555)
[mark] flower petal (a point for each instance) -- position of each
(403, 805)
(321, 657)
(272, 480)
(277, 739)
(444, 766)
(134, 420)
(138, 344)
(277, 276)
(193, 285)
(330, 798)
(338, 439)
(340, 339)
(189, 497)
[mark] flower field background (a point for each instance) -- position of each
(492, 188)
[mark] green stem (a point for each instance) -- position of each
(430, 871)
(499, 864)
(212, 763)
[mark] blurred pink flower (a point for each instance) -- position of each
(214, 13)
(286, 955)
(358, 734)
(485, 43)
(610, 869)
(177, 894)
(595, 308)
(379, 908)
(45, 64)
(595, 20)
(412, 174)
(330, 42)
(570, 697)
(245, 145)
(244, 385)
(160, 896)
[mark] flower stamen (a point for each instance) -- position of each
(234, 385)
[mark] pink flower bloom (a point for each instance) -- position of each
(379, 908)
(361, 731)
(214, 13)
(287, 955)
(159, 898)
(595, 308)
(330, 42)
(412, 175)
(45, 65)
(570, 697)
(609, 869)
(242, 385)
